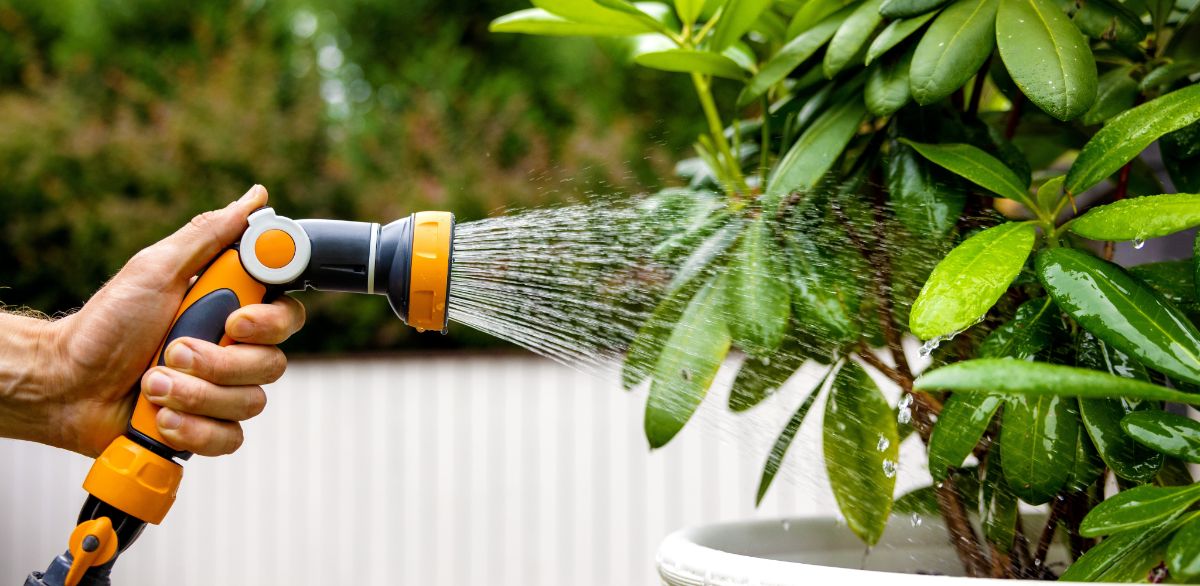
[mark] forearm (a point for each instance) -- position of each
(24, 346)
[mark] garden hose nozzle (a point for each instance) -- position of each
(134, 480)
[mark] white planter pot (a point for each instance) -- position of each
(809, 552)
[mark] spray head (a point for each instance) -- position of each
(408, 260)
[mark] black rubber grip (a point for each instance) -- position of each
(203, 320)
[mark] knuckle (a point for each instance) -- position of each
(190, 395)
(204, 221)
(234, 440)
(276, 364)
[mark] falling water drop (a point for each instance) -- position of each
(883, 443)
(1138, 243)
(786, 524)
(904, 409)
(889, 468)
(916, 520)
(929, 346)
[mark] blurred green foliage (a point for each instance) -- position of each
(121, 120)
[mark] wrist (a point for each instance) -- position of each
(26, 347)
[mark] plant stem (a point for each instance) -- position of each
(1014, 117)
(764, 150)
(717, 130)
(1043, 548)
(962, 536)
(977, 88)
(1118, 195)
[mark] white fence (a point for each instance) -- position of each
(435, 470)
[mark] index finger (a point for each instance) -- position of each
(269, 323)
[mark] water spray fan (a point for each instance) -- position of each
(135, 479)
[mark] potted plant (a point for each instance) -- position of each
(956, 171)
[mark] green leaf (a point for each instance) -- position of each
(965, 284)
(1088, 465)
(688, 10)
(686, 367)
(1102, 417)
(1125, 557)
(590, 12)
(759, 300)
(925, 204)
(1025, 336)
(791, 55)
(893, 9)
(736, 18)
(1169, 73)
(894, 33)
(813, 12)
(1121, 311)
(977, 167)
(1183, 554)
(998, 507)
(1047, 57)
(816, 150)
(887, 85)
(826, 295)
(858, 421)
(689, 61)
(1140, 218)
(1128, 134)
(1108, 21)
(1037, 442)
(759, 378)
(1166, 433)
(784, 441)
(923, 501)
(1138, 507)
(1050, 193)
(1035, 379)
(850, 38)
(953, 49)
(1115, 93)
(961, 424)
(706, 253)
(647, 345)
(535, 21)
(1174, 280)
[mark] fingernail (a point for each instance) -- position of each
(158, 385)
(180, 356)
(241, 328)
(168, 419)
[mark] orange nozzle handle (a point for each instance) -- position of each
(221, 289)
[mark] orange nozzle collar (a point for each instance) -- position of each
(429, 283)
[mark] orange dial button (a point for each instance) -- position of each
(275, 249)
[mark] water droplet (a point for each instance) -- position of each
(1138, 243)
(883, 443)
(889, 468)
(905, 401)
(929, 346)
(916, 520)
(766, 360)
(786, 524)
(904, 409)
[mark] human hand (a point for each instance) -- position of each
(95, 356)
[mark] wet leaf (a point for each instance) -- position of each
(1124, 557)
(759, 378)
(961, 424)
(1037, 442)
(908, 8)
(857, 421)
(784, 441)
(689, 61)
(1025, 335)
(1088, 465)
(966, 283)
(894, 33)
(1174, 280)
(887, 85)
(1140, 218)
(736, 18)
(924, 204)
(816, 150)
(998, 505)
(759, 300)
(923, 501)
(826, 296)
(535, 21)
(848, 41)
(978, 167)
(1168, 73)
(710, 246)
(956, 45)
(1115, 93)
(684, 370)
(1138, 507)
(1102, 417)
(1021, 377)
(1166, 433)
(791, 56)
(1183, 554)
(1129, 133)
(1108, 21)
(1049, 193)
(1121, 311)
(1047, 57)
(647, 345)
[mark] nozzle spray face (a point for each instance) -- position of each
(418, 252)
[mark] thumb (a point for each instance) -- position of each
(194, 245)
